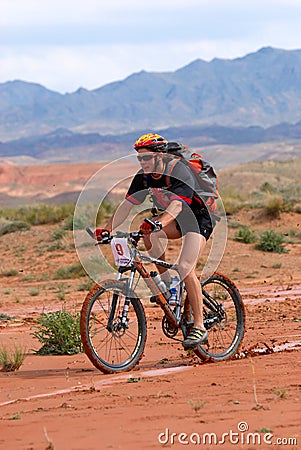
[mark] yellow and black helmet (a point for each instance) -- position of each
(151, 141)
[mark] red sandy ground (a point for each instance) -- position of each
(63, 403)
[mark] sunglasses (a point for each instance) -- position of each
(145, 157)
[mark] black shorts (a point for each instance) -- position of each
(199, 222)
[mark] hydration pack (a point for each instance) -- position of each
(206, 186)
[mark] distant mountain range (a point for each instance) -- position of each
(63, 145)
(254, 101)
(261, 89)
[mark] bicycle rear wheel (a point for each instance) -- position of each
(119, 346)
(224, 319)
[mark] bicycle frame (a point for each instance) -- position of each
(173, 316)
(138, 266)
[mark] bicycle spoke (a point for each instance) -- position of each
(111, 343)
(225, 319)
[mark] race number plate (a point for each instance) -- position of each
(121, 251)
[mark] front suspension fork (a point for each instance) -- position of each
(123, 318)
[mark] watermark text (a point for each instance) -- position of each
(240, 436)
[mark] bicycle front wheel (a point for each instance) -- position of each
(224, 319)
(111, 343)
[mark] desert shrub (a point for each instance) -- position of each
(86, 215)
(12, 227)
(34, 292)
(76, 223)
(11, 359)
(231, 199)
(294, 236)
(74, 271)
(233, 224)
(268, 187)
(271, 241)
(9, 273)
(291, 194)
(275, 206)
(5, 317)
(106, 209)
(39, 214)
(62, 290)
(86, 286)
(245, 235)
(56, 245)
(297, 208)
(59, 332)
(232, 205)
(57, 234)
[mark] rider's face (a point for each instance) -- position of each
(147, 160)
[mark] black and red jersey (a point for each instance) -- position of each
(179, 185)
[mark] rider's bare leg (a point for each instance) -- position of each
(193, 247)
(156, 249)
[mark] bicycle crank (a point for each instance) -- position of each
(168, 329)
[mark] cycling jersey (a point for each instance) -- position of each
(166, 188)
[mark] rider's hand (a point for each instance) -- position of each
(149, 226)
(102, 235)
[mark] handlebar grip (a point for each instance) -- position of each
(90, 232)
(151, 223)
(156, 226)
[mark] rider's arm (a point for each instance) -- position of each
(119, 215)
(171, 212)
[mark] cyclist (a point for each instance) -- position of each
(184, 215)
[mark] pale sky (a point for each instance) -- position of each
(68, 44)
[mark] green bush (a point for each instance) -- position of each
(34, 292)
(86, 214)
(39, 214)
(275, 206)
(12, 227)
(56, 245)
(9, 273)
(74, 271)
(297, 208)
(11, 360)
(245, 235)
(271, 241)
(59, 332)
(268, 187)
(86, 286)
(76, 223)
(57, 234)
(232, 205)
(5, 317)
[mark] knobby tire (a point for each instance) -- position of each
(118, 350)
(224, 339)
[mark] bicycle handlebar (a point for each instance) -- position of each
(90, 232)
(135, 235)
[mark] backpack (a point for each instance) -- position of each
(206, 186)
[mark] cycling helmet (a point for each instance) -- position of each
(151, 141)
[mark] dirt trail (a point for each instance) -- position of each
(64, 399)
(77, 407)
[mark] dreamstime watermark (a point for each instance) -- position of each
(241, 436)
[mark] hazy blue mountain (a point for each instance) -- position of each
(259, 89)
(63, 145)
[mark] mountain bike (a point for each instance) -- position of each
(113, 323)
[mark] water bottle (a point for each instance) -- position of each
(173, 300)
(159, 282)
